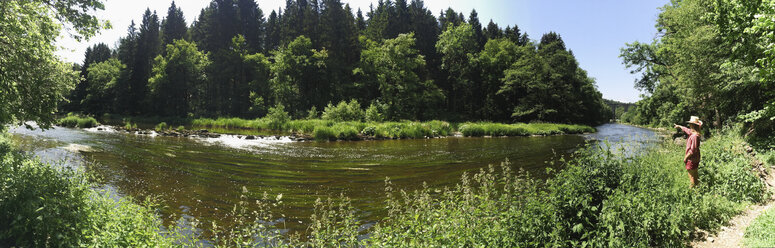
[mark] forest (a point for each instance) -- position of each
(398, 57)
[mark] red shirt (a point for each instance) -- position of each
(692, 145)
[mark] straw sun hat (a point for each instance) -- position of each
(695, 120)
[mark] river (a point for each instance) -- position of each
(205, 177)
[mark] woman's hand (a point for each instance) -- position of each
(676, 125)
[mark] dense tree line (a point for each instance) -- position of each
(232, 61)
(713, 59)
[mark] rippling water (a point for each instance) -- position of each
(204, 177)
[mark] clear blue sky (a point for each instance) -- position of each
(594, 30)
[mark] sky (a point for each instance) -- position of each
(594, 30)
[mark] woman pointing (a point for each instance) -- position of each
(692, 156)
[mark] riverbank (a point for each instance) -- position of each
(597, 197)
(328, 130)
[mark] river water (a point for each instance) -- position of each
(205, 177)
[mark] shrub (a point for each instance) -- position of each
(344, 111)
(369, 131)
(312, 113)
(374, 114)
(439, 128)
(277, 117)
(161, 127)
(180, 128)
(44, 206)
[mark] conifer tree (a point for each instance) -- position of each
(173, 26)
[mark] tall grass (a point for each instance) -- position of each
(73, 120)
(479, 129)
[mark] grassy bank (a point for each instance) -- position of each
(598, 199)
(347, 130)
(479, 129)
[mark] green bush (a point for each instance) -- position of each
(44, 206)
(180, 128)
(312, 113)
(369, 131)
(128, 125)
(374, 113)
(344, 111)
(161, 127)
(278, 117)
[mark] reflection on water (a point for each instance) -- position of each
(204, 178)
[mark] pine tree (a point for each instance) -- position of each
(493, 31)
(360, 22)
(173, 26)
(148, 45)
(473, 20)
(251, 24)
(272, 32)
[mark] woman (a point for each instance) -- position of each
(692, 157)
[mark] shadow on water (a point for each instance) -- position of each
(204, 178)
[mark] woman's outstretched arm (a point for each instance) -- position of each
(685, 129)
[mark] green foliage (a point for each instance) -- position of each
(312, 113)
(294, 70)
(45, 206)
(323, 133)
(706, 61)
(232, 63)
(521, 129)
(178, 83)
(129, 126)
(161, 127)
(760, 232)
(344, 111)
(73, 120)
(600, 198)
(33, 79)
(374, 113)
(339, 131)
(180, 128)
(277, 117)
(101, 88)
(345, 131)
(457, 46)
(395, 68)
